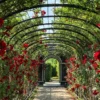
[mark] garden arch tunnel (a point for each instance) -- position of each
(66, 30)
(75, 26)
(62, 69)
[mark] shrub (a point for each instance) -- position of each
(54, 72)
(48, 72)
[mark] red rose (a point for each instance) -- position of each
(3, 47)
(8, 27)
(77, 41)
(77, 85)
(1, 80)
(5, 58)
(98, 25)
(1, 22)
(24, 52)
(2, 52)
(90, 68)
(84, 59)
(25, 45)
(43, 12)
(10, 47)
(73, 89)
(97, 80)
(95, 92)
(6, 98)
(92, 61)
(34, 64)
(43, 30)
(6, 33)
(72, 59)
(95, 65)
(84, 87)
(77, 65)
(98, 71)
(97, 55)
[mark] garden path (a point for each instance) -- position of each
(53, 93)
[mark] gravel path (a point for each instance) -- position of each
(53, 93)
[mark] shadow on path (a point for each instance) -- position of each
(53, 93)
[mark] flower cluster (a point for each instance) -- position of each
(18, 70)
(83, 72)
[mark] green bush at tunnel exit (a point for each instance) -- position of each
(54, 72)
(55, 66)
(48, 72)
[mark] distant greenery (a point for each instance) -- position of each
(48, 73)
(54, 71)
(54, 67)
